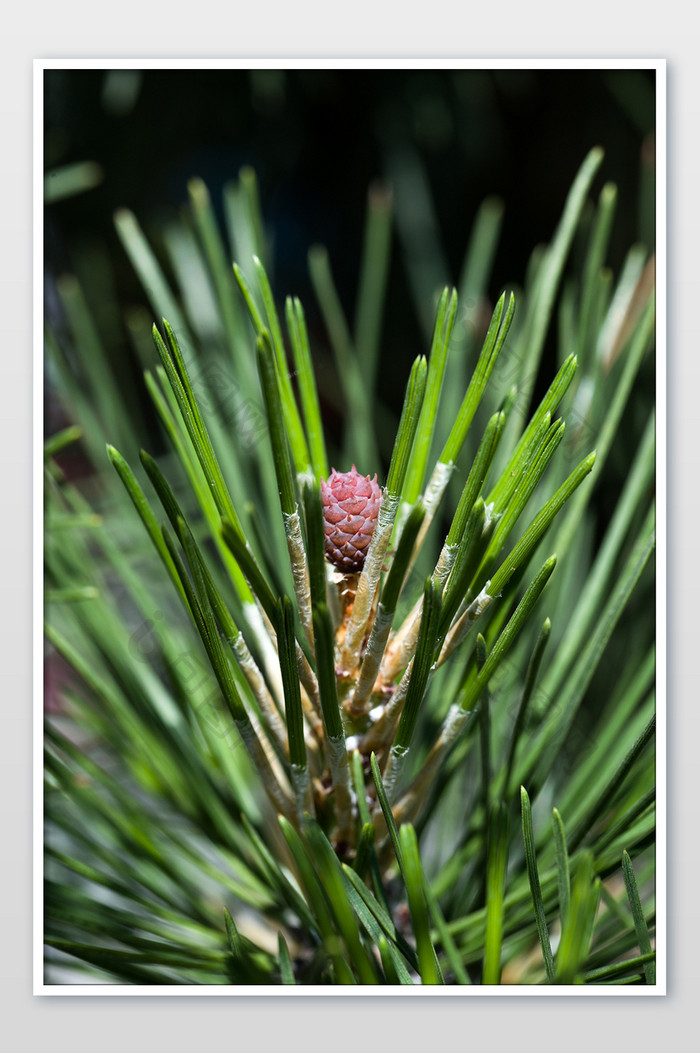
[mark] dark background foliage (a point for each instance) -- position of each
(318, 138)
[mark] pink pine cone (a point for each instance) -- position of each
(350, 508)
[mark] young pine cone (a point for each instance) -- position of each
(350, 508)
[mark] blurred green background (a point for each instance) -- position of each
(443, 139)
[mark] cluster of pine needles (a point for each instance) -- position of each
(437, 768)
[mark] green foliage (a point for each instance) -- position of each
(259, 770)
